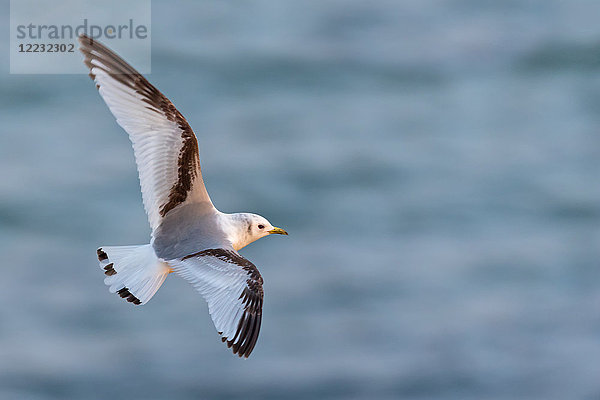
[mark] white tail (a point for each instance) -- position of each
(133, 272)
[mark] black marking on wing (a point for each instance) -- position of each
(244, 340)
(188, 164)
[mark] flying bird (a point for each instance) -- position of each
(189, 235)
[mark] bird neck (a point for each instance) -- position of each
(238, 229)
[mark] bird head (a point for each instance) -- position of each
(251, 227)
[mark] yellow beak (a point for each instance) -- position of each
(279, 231)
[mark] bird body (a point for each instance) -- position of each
(189, 235)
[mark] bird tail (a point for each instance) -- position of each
(133, 272)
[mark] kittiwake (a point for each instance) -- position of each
(189, 235)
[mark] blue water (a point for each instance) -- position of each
(435, 162)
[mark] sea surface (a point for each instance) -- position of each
(436, 163)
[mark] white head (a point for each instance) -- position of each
(245, 228)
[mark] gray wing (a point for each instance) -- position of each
(165, 147)
(232, 287)
(186, 230)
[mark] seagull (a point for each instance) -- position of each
(189, 235)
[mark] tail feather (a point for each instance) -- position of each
(133, 272)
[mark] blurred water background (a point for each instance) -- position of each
(435, 162)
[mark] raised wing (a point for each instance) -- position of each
(165, 147)
(232, 287)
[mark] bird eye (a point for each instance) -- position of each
(261, 226)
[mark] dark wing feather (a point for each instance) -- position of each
(232, 287)
(166, 149)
